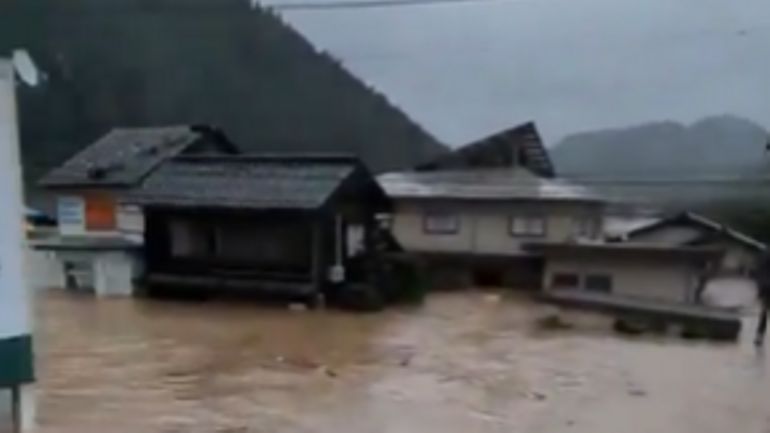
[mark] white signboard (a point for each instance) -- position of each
(14, 306)
(70, 213)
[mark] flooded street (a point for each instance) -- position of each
(464, 362)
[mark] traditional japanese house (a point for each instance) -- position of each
(294, 226)
(99, 236)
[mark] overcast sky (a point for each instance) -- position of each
(466, 70)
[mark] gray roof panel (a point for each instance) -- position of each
(122, 157)
(245, 182)
(489, 184)
(519, 146)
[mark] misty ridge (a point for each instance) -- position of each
(715, 146)
(236, 66)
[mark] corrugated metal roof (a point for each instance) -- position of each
(714, 227)
(616, 225)
(245, 182)
(122, 157)
(490, 184)
(520, 146)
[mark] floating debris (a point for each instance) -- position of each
(553, 322)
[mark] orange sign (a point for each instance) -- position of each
(100, 212)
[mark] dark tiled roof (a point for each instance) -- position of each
(246, 182)
(517, 146)
(123, 157)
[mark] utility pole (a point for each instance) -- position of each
(16, 359)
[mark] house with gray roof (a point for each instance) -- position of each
(98, 235)
(287, 225)
(470, 225)
(742, 252)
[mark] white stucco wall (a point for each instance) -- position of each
(130, 221)
(661, 279)
(114, 274)
(484, 226)
(106, 273)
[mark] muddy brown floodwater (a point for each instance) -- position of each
(464, 362)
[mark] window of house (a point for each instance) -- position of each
(189, 239)
(355, 239)
(441, 223)
(527, 225)
(565, 280)
(598, 283)
(583, 227)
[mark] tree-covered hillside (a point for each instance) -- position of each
(111, 63)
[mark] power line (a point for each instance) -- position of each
(365, 4)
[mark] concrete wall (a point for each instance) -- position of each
(6, 413)
(484, 226)
(114, 273)
(43, 270)
(662, 279)
(105, 273)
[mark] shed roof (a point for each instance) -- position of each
(520, 146)
(124, 156)
(713, 229)
(488, 184)
(267, 181)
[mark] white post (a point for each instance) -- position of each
(15, 306)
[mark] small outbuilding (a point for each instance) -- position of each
(99, 237)
(690, 229)
(666, 274)
(654, 284)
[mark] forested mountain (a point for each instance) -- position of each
(713, 146)
(111, 63)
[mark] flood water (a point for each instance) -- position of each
(464, 362)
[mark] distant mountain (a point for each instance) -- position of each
(111, 63)
(713, 146)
